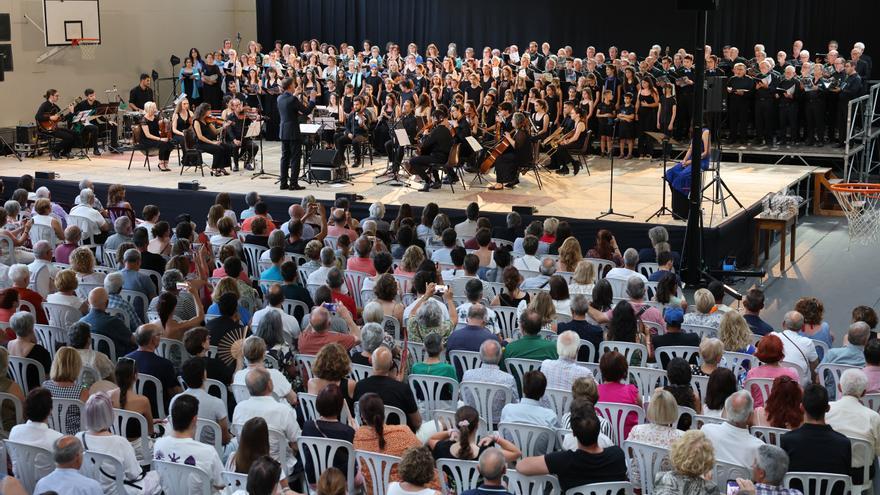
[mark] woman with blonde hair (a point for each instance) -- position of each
(569, 255)
(66, 284)
(542, 304)
(228, 285)
(583, 278)
(214, 215)
(711, 352)
(116, 197)
(706, 314)
(692, 457)
(660, 431)
(63, 383)
(735, 333)
(82, 262)
(409, 264)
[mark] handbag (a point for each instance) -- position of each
(814, 377)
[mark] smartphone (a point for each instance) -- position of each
(440, 289)
(732, 487)
(182, 286)
(331, 307)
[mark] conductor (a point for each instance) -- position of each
(290, 109)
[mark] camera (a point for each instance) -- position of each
(440, 289)
(331, 307)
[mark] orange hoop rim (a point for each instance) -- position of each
(856, 188)
(84, 41)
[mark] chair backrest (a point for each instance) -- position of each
(759, 386)
(801, 371)
(531, 439)
(51, 337)
(465, 360)
(507, 320)
(19, 412)
(379, 466)
(560, 401)
(295, 308)
(602, 267)
(862, 449)
(83, 289)
(174, 351)
(738, 362)
(588, 350)
(393, 324)
(322, 451)
(87, 225)
(63, 412)
(819, 483)
(24, 458)
(700, 384)
(648, 459)
(239, 392)
(95, 466)
(616, 413)
(700, 420)
(22, 368)
(206, 425)
(871, 401)
(627, 349)
(768, 434)
(611, 488)
(309, 405)
(483, 397)
(234, 481)
(429, 390)
(305, 362)
(647, 269)
(138, 300)
(40, 281)
(647, 379)
(518, 367)
(355, 281)
(829, 376)
(417, 351)
(150, 387)
(155, 277)
(360, 371)
(252, 253)
(61, 315)
(178, 478)
(724, 471)
(666, 353)
(88, 376)
(102, 343)
(42, 233)
(463, 475)
(6, 246)
(120, 425)
(701, 330)
(520, 484)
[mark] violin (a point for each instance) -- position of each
(165, 129)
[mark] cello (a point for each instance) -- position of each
(494, 153)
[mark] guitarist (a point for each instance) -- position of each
(92, 129)
(433, 152)
(48, 116)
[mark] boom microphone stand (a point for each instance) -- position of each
(610, 210)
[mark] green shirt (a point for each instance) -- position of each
(530, 347)
(437, 369)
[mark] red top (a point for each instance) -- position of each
(311, 342)
(36, 299)
(346, 301)
(361, 265)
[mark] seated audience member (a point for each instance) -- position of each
(65, 295)
(113, 284)
(125, 397)
(722, 383)
(82, 262)
(615, 388)
(328, 403)
(333, 367)
(659, 431)
(771, 353)
(442, 255)
(336, 282)
(98, 419)
(134, 280)
(86, 208)
(247, 295)
(328, 262)
(274, 303)
(253, 443)
(849, 416)
(409, 264)
(9, 304)
(374, 435)
(292, 289)
(197, 343)
(427, 315)
(461, 442)
(318, 332)
(782, 409)
(20, 276)
(25, 344)
(511, 295)
(149, 363)
(43, 261)
(658, 236)
(474, 292)
(278, 415)
(372, 336)
(79, 337)
(692, 459)
(586, 330)
(433, 364)
(416, 472)
(490, 372)
(678, 374)
(635, 292)
(123, 233)
(35, 430)
(468, 228)
(753, 303)
(254, 353)
(867, 315)
(564, 370)
(361, 262)
(705, 314)
(800, 444)
(384, 382)
(673, 336)
(226, 235)
(529, 409)
(732, 441)
(211, 408)
(341, 320)
(711, 352)
(619, 276)
(531, 345)
(798, 349)
(225, 253)
(471, 336)
(814, 326)
(542, 279)
(536, 229)
(872, 366)
(458, 256)
(179, 443)
(72, 239)
(668, 293)
(259, 233)
(228, 312)
(68, 456)
(665, 267)
(8, 414)
(768, 472)
(151, 260)
(273, 273)
(734, 333)
(717, 290)
(853, 352)
(589, 463)
(187, 304)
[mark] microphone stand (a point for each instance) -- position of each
(610, 210)
(665, 142)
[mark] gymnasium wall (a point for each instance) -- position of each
(136, 37)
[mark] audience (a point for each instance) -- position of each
(771, 465)
(489, 372)
(847, 415)
(35, 430)
(98, 420)
(68, 456)
(692, 458)
(753, 303)
(800, 443)
(460, 441)
(732, 441)
(384, 383)
(771, 352)
(529, 409)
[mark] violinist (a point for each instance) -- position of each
(48, 116)
(541, 120)
(516, 156)
(153, 137)
(208, 140)
(354, 131)
(244, 147)
(572, 140)
(434, 152)
(407, 121)
(461, 129)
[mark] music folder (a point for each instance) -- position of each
(402, 137)
(82, 116)
(253, 129)
(309, 128)
(474, 144)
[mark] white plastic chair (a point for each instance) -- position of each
(206, 425)
(724, 471)
(861, 449)
(738, 362)
(22, 368)
(330, 241)
(616, 414)
(463, 475)
(701, 420)
(50, 336)
(801, 371)
(699, 384)
(355, 281)
(95, 466)
(417, 351)
(394, 324)
(829, 376)
(429, 390)
(122, 315)
(518, 367)
(531, 439)
(83, 289)
(43, 233)
(647, 379)
(121, 419)
(19, 412)
(559, 401)
(686, 411)
(305, 362)
(360, 371)
(239, 392)
(183, 479)
(88, 226)
(602, 267)
(157, 398)
(520, 484)
(309, 405)
(25, 461)
(485, 398)
(322, 452)
(507, 321)
(627, 349)
(61, 315)
(818, 483)
(465, 360)
(611, 488)
(768, 434)
(647, 269)
(379, 466)
(252, 253)
(174, 351)
(871, 401)
(102, 343)
(648, 459)
(137, 300)
(667, 353)
(61, 410)
(701, 330)
(762, 386)
(592, 356)
(292, 306)
(234, 481)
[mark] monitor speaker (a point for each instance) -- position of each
(525, 210)
(44, 175)
(325, 159)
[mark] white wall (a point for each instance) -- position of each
(137, 36)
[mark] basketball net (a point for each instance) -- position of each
(87, 47)
(861, 205)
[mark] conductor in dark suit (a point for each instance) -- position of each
(290, 108)
(433, 152)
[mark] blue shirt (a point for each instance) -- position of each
(487, 490)
(140, 282)
(531, 412)
(68, 482)
(853, 355)
(272, 273)
(659, 274)
(758, 326)
(150, 363)
(468, 338)
(243, 314)
(103, 323)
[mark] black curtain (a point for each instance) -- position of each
(633, 25)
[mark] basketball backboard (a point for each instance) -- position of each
(65, 20)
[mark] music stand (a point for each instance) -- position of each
(476, 147)
(255, 130)
(110, 113)
(310, 131)
(610, 211)
(665, 142)
(401, 141)
(81, 118)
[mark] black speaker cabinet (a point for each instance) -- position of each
(325, 159)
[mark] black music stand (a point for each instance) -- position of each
(665, 142)
(394, 180)
(610, 210)
(262, 173)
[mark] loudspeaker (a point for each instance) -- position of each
(189, 186)
(715, 93)
(525, 210)
(325, 159)
(45, 175)
(696, 4)
(351, 197)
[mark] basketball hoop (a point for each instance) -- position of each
(87, 47)
(861, 205)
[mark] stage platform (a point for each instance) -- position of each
(579, 199)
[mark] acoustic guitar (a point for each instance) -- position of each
(51, 125)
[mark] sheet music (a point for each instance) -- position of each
(474, 144)
(82, 116)
(309, 128)
(790, 91)
(253, 129)
(402, 137)
(767, 80)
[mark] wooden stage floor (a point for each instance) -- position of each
(637, 189)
